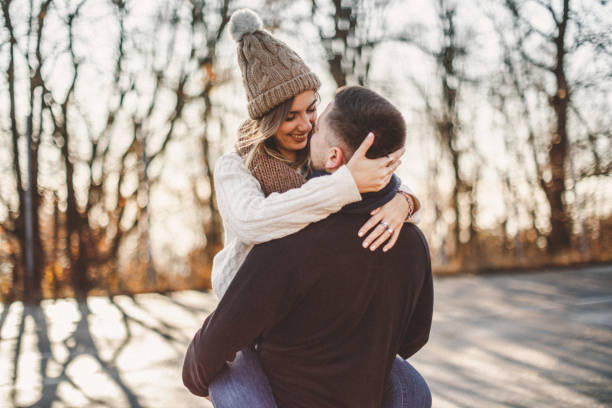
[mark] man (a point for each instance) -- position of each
(328, 316)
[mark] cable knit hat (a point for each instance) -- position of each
(271, 71)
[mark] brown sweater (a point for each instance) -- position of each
(328, 315)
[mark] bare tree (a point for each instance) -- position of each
(25, 224)
(357, 30)
(206, 59)
(443, 113)
(90, 212)
(538, 60)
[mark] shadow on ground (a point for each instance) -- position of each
(97, 351)
(542, 339)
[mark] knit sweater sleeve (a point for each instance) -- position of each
(254, 218)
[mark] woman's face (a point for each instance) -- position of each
(292, 135)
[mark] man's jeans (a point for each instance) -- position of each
(244, 384)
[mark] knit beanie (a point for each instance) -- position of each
(271, 71)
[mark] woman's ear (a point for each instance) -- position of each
(334, 160)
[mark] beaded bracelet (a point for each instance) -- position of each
(410, 204)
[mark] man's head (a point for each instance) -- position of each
(347, 120)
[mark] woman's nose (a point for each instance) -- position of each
(305, 124)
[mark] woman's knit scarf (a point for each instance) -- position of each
(274, 175)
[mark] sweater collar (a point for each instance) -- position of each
(369, 201)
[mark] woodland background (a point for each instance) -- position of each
(113, 112)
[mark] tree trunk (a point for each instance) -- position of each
(19, 221)
(560, 222)
(32, 248)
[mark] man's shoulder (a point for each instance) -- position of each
(412, 232)
(312, 233)
(293, 254)
(318, 237)
(339, 232)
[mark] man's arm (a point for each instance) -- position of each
(417, 334)
(420, 325)
(260, 295)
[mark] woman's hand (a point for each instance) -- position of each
(387, 222)
(372, 174)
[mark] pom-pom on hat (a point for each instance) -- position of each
(244, 21)
(271, 71)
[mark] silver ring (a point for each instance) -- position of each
(384, 224)
(390, 230)
(390, 159)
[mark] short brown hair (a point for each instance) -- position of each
(356, 111)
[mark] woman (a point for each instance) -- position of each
(262, 190)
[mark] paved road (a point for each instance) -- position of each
(529, 340)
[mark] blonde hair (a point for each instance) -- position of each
(262, 140)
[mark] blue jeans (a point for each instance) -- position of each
(244, 384)
(406, 388)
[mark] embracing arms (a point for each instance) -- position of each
(254, 218)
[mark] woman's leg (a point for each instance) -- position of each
(406, 389)
(242, 384)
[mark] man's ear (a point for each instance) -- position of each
(335, 159)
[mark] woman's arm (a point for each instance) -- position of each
(255, 218)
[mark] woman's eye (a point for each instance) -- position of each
(289, 118)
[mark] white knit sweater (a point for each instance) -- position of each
(250, 218)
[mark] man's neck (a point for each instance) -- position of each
(373, 200)
(369, 201)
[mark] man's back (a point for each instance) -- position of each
(329, 315)
(355, 313)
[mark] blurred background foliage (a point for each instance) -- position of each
(113, 112)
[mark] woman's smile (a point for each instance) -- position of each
(293, 133)
(300, 137)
